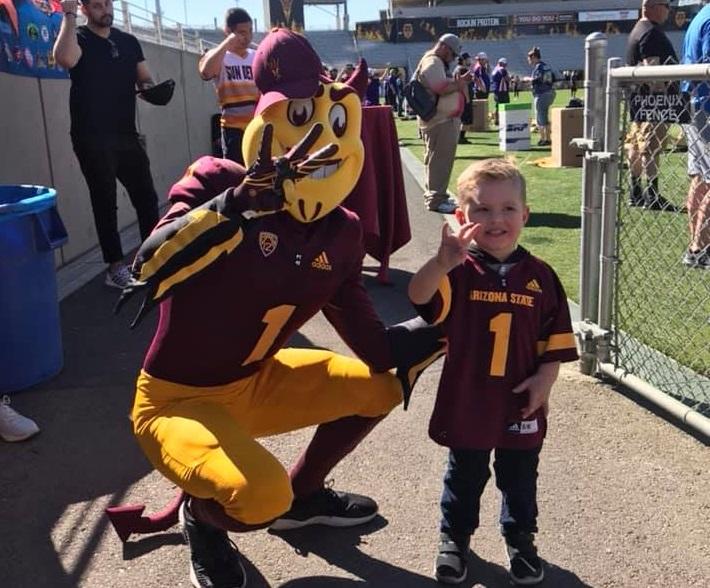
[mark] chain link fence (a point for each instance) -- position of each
(662, 296)
(645, 283)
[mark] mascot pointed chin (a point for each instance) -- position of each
(295, 97)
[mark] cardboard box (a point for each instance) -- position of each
(567, 124)
(480, 115)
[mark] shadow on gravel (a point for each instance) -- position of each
(341, 550)
(145, 544)
(556, 576)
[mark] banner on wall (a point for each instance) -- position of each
(285, 13)
(28, 29)
(499, 27)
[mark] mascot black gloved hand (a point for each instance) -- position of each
(415, 345)
(179, 250)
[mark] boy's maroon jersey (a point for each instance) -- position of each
(219, 327)
(500, 329)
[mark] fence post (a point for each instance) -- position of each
(157, 22)
(595, 47)
(181, 36)
(126, 11)
(607, 255)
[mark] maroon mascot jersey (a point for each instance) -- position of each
(219, 328)
(501, 325)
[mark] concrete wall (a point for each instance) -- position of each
(35, 147)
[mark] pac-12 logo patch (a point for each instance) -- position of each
(268, 242)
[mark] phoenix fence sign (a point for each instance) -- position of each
(660, 107)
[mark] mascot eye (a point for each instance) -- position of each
(338, 118)
(300, 111)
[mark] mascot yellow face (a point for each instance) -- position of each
(337, 107)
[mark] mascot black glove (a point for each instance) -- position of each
(415, 345)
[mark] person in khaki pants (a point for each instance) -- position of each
(440, 133)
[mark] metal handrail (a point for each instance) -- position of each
(150, 26)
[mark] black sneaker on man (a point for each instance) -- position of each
(118, 277)
(451, 562)
(697, 259)
(327, 507)
(214, 559)
(636, 194)
(525, 565)
(654, 201)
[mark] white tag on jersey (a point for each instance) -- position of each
(524, 427)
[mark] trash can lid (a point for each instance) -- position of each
(22, 199)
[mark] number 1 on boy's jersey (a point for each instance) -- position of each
(500, 327)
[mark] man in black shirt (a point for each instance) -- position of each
(106, 67)
(648, 45)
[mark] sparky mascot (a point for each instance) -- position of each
(242, 259)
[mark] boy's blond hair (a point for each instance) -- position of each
(495, 169)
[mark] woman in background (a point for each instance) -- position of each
(543, 91)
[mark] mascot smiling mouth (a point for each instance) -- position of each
(295, 98)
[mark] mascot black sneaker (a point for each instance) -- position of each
(214, 559)
(327, 507)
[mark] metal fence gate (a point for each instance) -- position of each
(644, 291)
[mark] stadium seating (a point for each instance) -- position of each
(337, 48)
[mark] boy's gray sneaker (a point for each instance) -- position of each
(525, 565)
(451, 562)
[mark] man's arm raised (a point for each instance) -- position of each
(66, 51)
(211, 61)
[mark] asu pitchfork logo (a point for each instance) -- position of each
(321, 262)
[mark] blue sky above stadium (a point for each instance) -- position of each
(204, 12)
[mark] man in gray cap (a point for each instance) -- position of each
(440, 132)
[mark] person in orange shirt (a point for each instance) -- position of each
(229, 66)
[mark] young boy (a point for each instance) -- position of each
(506, 319)
(229, 66)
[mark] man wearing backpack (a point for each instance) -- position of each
(441, 131)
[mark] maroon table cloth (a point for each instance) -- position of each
(379, 198)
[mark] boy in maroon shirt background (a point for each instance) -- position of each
(506, 318)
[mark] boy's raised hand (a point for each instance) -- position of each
(453, 246)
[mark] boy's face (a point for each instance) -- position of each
(498, 208)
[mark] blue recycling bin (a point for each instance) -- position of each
(30, 332)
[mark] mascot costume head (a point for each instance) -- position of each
(296, 97)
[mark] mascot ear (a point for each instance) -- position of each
(358, 79)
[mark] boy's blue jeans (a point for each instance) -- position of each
(466, 477)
